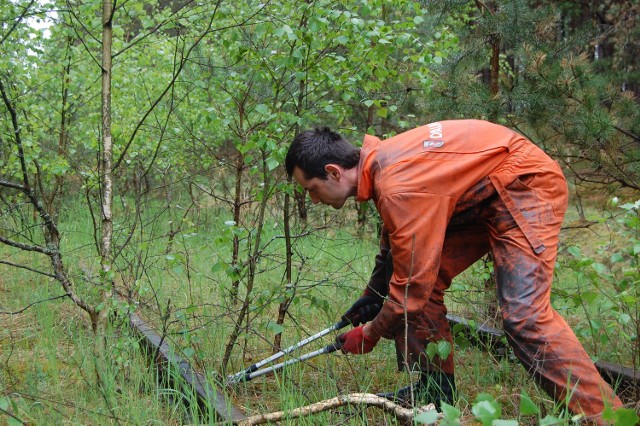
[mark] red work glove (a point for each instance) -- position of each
(356, 342)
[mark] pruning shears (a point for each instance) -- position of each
(255, 370)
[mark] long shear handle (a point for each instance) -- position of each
(326, 350)
(238, 377)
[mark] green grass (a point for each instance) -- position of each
(47, 363)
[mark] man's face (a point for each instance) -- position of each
(330, 191)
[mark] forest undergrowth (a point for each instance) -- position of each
(47, 365)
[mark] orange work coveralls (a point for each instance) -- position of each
(448, 193)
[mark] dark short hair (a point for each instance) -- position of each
(313, 149)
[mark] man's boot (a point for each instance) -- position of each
(433, 387)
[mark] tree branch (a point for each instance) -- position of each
(17, 21)
(26, 247)
(177, 73)
(16, 265)
(34, 303)
(51, 234)
(366, 399)
(12, 185)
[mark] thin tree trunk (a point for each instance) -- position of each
(106, 158)
(237, 206)
(253, 261)
(63, 139)
(495, 64)
(300, 196)
(284, 306)
(494, 41)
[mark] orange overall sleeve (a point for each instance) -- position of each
(416, 223)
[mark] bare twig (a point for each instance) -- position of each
(12, 185)
(180, 66)
(26, 247)
(16, 265)
(366, 399)
(32, 304)
(406, 319)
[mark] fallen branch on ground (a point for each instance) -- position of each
(366, 399)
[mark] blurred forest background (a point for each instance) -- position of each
(141, 150)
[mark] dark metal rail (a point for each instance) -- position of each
(625, 380)
(209, 397)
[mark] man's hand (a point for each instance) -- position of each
(356, 342)
(364, 310)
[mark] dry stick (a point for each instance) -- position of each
(33, 304)
(366, 399)
(406, 319)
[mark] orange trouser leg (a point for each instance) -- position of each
(462, 247)
(543, 342)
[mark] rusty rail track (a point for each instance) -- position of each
(625, 380)
(213, 404)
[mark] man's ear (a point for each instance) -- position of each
(334, 171)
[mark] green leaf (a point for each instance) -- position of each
(486, 409)
(485, 412)
(617, 257)
(272, 163)
(444, 349)
(418, 20)
(624, 318)
(274, 327)
(575, 252)
(596, 324)
(500, 422)
(451, 415)
(262, 109)
(218, 266)
(600, 268)
(622, 417)
(427, 417)
(527, 406)
(550, 420)
(590, 296)
(4, 403)
(14, 422)
(431, 350)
